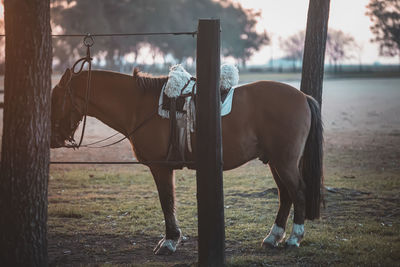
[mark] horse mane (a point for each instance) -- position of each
(147, 81)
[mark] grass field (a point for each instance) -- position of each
(112, 215)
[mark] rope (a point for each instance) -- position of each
(89, 60)
(121, 34)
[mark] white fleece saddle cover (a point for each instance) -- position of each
(180, 83)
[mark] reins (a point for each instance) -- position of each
(123, 138)
(88, 42)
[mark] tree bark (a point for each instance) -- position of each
(26, 134)
(314, 49)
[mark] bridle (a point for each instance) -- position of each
(73, 144)
(88, 42)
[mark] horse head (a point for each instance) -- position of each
(65, 114)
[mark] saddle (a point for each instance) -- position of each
(178, 131)
(177, 103)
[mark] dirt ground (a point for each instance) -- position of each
(362, 144)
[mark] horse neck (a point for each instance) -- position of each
(114, 99)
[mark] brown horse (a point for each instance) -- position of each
(269, 120)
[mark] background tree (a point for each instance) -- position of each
(385, 16)
(339, 46)
(293, 47)
(25, 152)
(2, 42)
(359, 50)
(239, 36)
(78, 17)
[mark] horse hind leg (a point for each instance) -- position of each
(277, 232)
(291, 179)
(165, 181)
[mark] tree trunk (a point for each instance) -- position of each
(244, 63)
(314, 49)
(26, 134)
(399, 58)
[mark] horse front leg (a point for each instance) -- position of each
(165, 181)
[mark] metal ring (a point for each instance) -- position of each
(88, 40)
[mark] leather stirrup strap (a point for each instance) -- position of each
(173, 149)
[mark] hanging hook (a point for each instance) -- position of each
(88, 40)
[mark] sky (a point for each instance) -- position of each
(286, 17)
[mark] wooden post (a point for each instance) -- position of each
(210, 198)
(314, 49)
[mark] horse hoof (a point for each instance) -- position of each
(272, 241)
(275, 236)
(268, 245)
(166, 246)
(290, 247)
(292, 242)
(295, 238)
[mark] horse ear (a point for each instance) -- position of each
(136, 72)
(65, 78)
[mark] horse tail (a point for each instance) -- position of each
(311, 166)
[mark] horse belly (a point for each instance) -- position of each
(239, 139)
